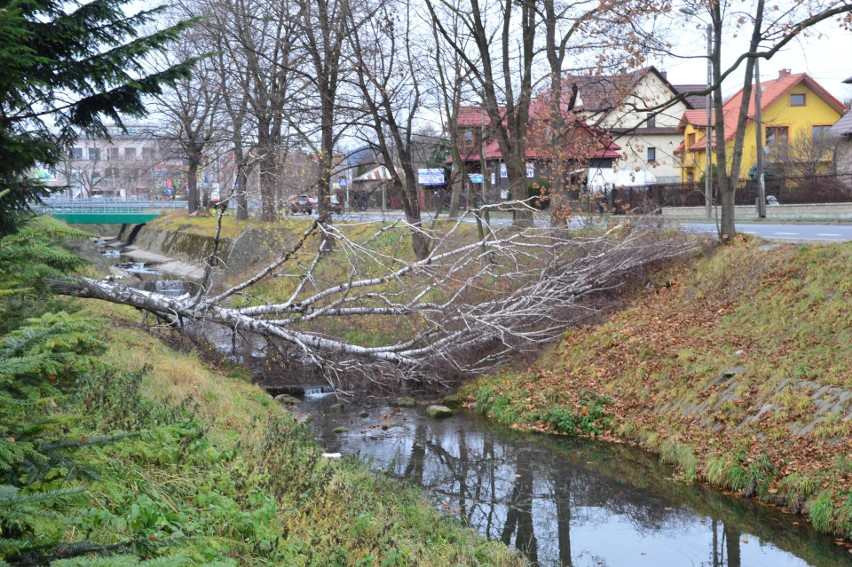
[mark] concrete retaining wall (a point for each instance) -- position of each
(236, 254)
(816, 211)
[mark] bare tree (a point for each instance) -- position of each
(463, 309)
(254, 57)
(503, 80)
(769, 28)
(805, 154)
(192, 108)
(580, 28)
(452, 88)
(323, 27)
(235, 127)
(387, 71)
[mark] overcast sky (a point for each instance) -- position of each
(826, 56)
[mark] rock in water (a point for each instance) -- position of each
(439, 411)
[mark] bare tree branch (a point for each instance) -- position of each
(461, 310)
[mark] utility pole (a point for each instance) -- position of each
(708, 171)
(758, 129)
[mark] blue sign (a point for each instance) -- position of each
(475, 177)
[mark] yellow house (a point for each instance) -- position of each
(791, 105)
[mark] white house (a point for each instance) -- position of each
(628, 106)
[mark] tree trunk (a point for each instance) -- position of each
(240, 183)
(456, 187)
(192, 184)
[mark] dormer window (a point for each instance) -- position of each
(797, 99)
(651, 121)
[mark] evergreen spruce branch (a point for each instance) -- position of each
(19, 508)
(44, 555)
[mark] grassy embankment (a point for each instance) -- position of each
(125, 448)
(258, 485)
(736, 368)
(217, 472)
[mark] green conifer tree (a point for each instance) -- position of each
(65, 67)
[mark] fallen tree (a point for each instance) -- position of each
(465, 308)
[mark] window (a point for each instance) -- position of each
(651, 122)
(820, 131)
(113, 153)
(76, 154)
(130, 154)
(797, 99)
(690, 140)
(652, 154)
(776, 135)
(468, 138)
(94, 154)
(148, 154)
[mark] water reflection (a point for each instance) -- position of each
(567, 501)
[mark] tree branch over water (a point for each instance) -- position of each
(465, 308)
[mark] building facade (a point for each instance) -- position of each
(642, 111)
(795, 111)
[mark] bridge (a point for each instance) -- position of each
(106, 211)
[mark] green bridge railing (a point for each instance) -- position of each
(102, 211)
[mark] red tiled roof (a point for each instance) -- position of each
(473, 116)
(772, 91)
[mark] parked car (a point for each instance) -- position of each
(336, 205)
(302, 204)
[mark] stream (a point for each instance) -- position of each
(562, 501)
(566, 501)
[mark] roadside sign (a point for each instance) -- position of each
(430, 177)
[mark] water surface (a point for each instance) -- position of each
(566, 501)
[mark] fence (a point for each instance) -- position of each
(814, 189)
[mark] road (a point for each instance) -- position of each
(797, 232)
(794, 232)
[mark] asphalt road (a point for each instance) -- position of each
(797, 232)
(793, 232)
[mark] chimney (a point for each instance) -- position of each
(784, 73)
(665, 75)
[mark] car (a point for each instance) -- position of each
(302, 204)
(335, 204)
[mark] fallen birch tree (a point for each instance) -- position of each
(466, 307)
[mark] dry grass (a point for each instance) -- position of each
(778, 319)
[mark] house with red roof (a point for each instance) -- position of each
(583, 147)
(792, 105)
